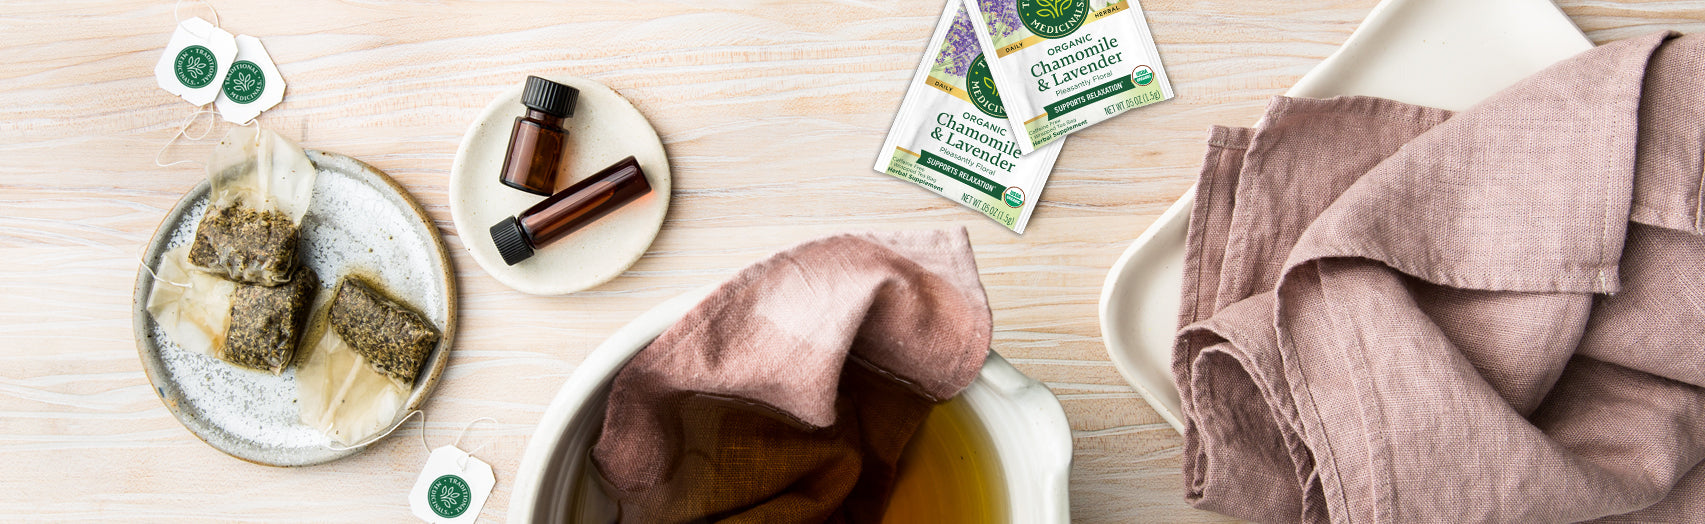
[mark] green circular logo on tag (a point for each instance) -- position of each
(245, 82)
(1053, 18)
(1013, 197)
(195, 66)
(1143, 75)
(980, 86)
(449, 496)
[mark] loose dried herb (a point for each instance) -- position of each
(266, 322)
(393, 338)
(245, 245)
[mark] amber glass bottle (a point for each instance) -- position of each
(563, 213)
(535, 145)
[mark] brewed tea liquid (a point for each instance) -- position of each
(947, 475)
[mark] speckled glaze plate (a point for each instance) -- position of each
(605, 128)
(360, 220)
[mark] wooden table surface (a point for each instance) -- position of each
(772, 113)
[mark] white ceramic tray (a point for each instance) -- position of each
(1441, 53)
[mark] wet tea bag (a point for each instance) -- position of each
(355, 379)
(253, 326)
(393, 338)
(267, 322)
(262, 184)
(253, 85)
(195, 61)
(339, 393)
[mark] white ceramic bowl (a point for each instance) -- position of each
(1027, 427)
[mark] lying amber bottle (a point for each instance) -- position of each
(568, 210)
(536, 143)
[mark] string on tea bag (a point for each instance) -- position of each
(183, 132)
(150, 270)
(180, 3)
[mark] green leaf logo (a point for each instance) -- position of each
(245, 82)
(980, 88)
(195, 66)
(1053, 18)
(449, 496)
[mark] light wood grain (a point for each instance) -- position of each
(772, 113)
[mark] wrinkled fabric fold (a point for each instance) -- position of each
(788, 394)
(1394, 313)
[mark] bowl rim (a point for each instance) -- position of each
(1040, 441)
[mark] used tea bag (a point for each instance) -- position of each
(247, 325)
(266, 322)
(393, 338)
(262, 184)
(339, 393)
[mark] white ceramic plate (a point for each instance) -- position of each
(1441, 53)
(605, 128)
(1028, 429)
(359, 220)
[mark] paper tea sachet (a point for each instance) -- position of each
(1064, 65)
(262, 184)
(952, 137)
(366, 352)
(195, 61)
(252, 85)
(249, 325)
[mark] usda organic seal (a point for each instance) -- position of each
(1013, 197)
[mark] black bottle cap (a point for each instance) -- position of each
(511, 241)
(550, 97)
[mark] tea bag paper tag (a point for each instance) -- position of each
(195, 61)
(452, 488)
(252, 85)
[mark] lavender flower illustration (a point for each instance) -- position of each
(1002, 17)
(959, 48)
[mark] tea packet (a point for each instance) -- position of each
(951, 135)
(262, 184)
(338, 392)
(252, 326)
(1064, 65)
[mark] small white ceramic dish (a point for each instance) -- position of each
(605, 128)
(360, 220)
(1027, 427)
(1441, 53)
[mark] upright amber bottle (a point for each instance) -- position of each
(535, 145)
(563, 213)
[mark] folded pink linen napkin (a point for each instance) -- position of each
(1394, 313)
(788, 394)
